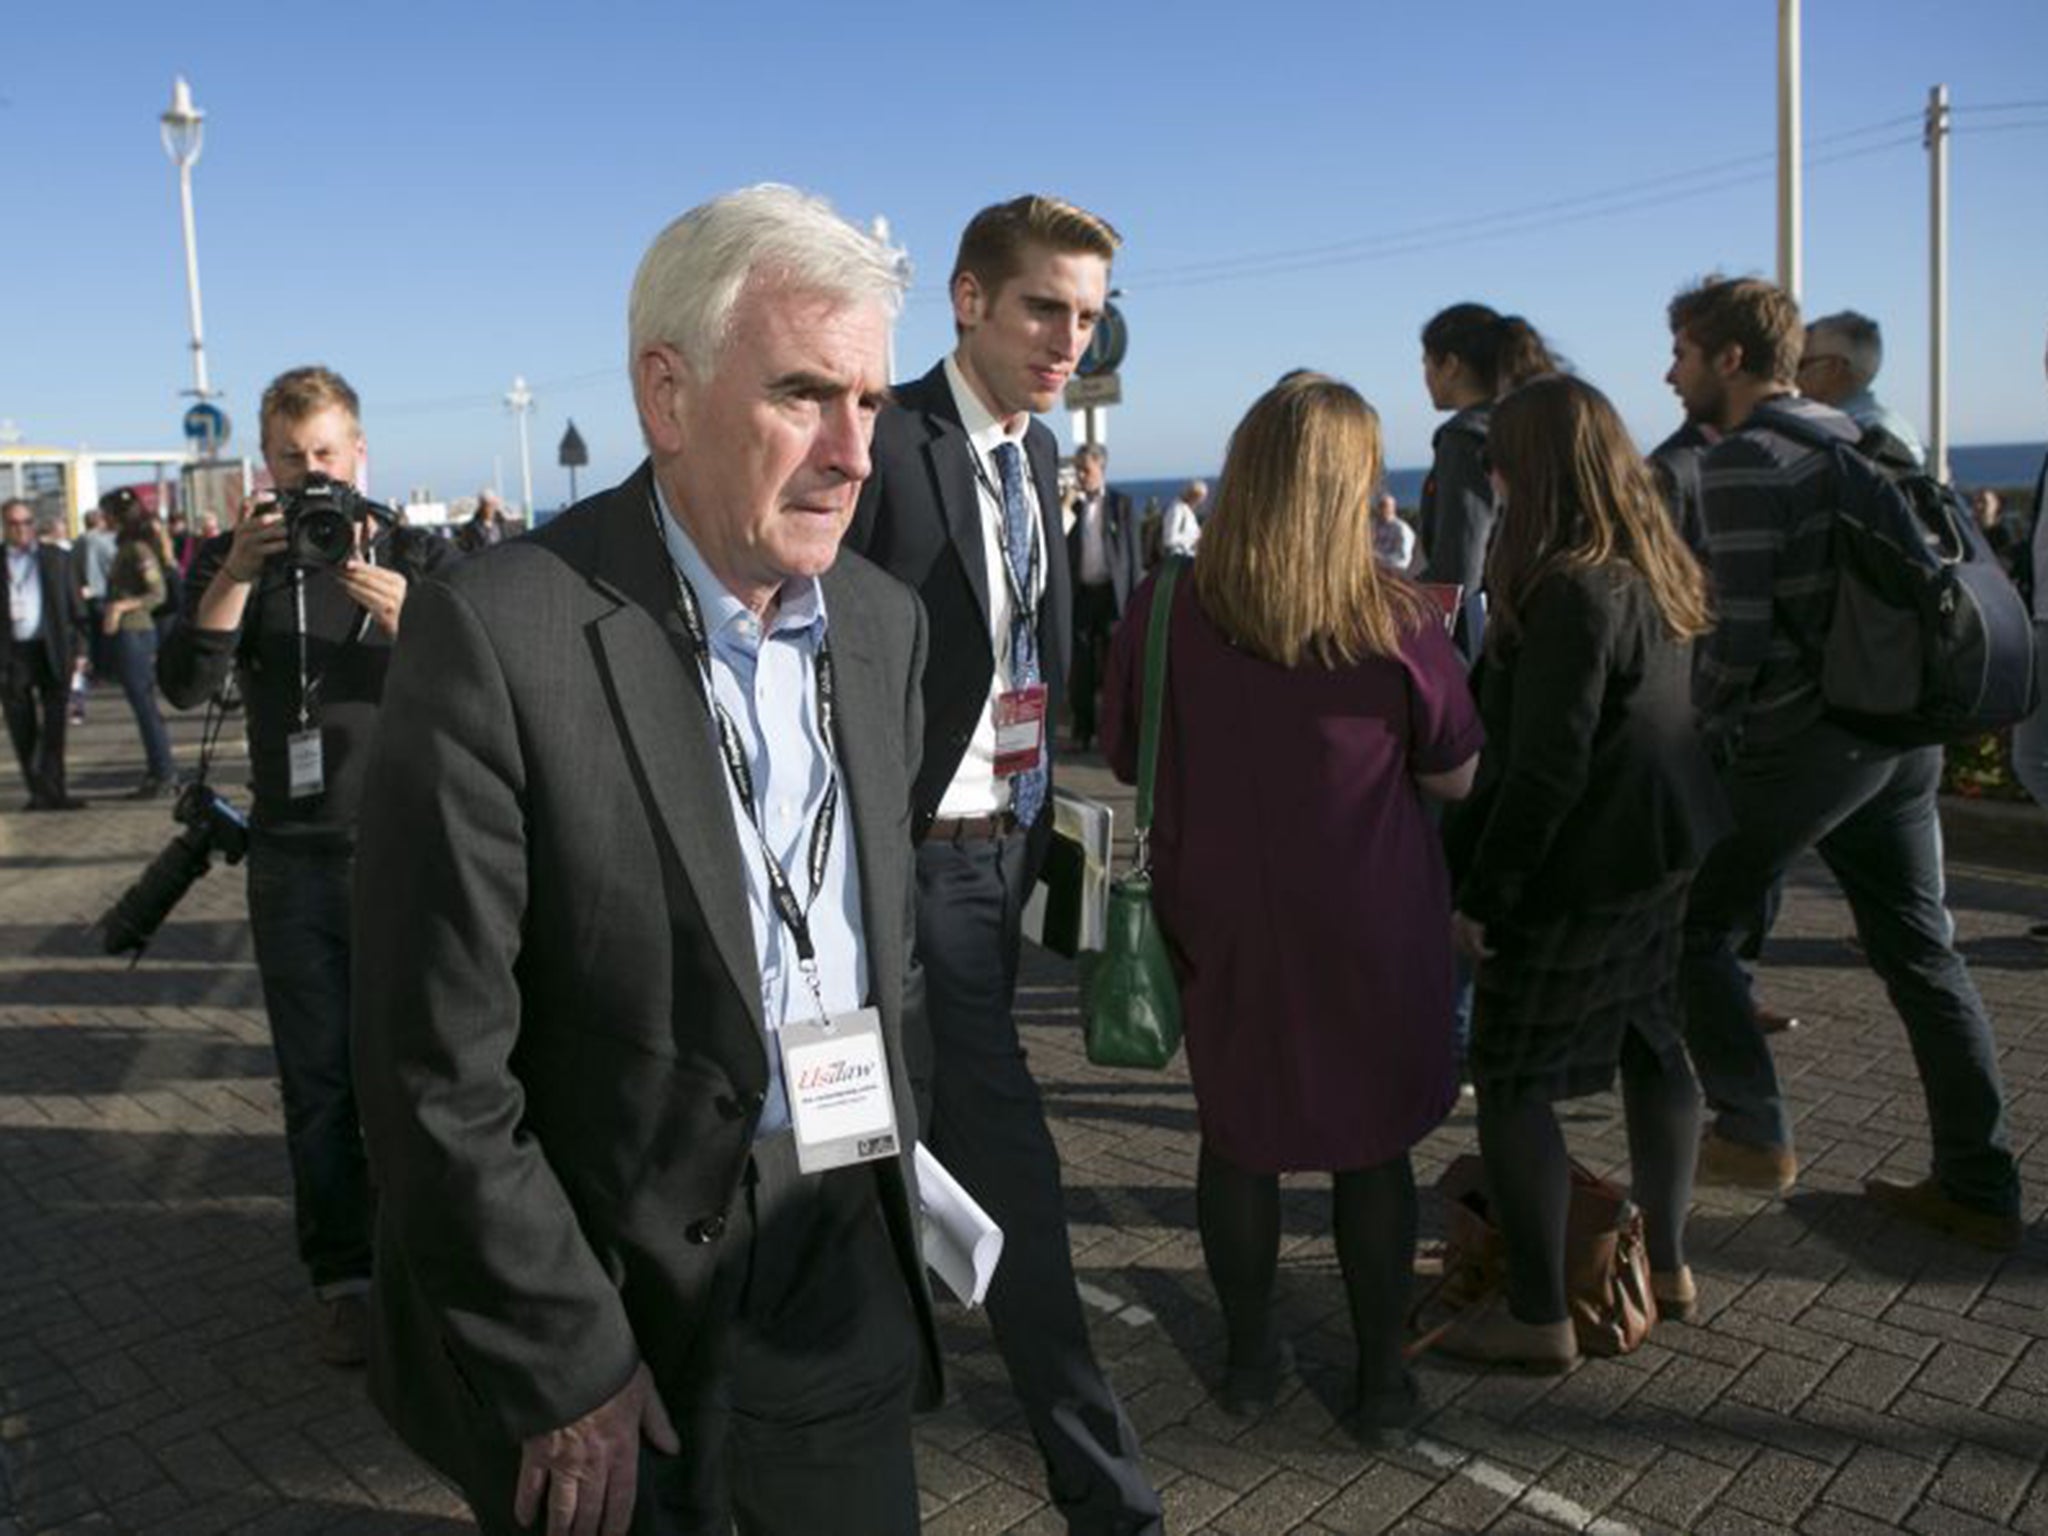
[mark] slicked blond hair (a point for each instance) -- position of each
(996, 240)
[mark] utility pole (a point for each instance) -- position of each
(1937, 281)
(519, 400)
(1789, 233)
(184, 135)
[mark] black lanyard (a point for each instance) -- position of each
(795, 915)
(309, 683)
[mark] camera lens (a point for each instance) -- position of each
(323, 536)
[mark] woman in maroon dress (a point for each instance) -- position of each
(1313, 701)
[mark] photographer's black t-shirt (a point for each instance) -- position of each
(346, 658)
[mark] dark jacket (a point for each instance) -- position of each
(920, 520)
(1593, 784)
(1457, 512)
(558, 1045)
(63, 610)
(1121, 545)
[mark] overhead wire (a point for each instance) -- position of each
(1625, 197)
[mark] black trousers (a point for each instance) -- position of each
(299, 918)
(796, 1417)
(1094, 620)
(988, 1127)
(37, 701)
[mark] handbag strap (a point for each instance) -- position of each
(1156, 636)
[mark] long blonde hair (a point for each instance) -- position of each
(1286, 566)
(1580, 495)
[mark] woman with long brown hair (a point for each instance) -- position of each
(1313, 700)
(1594, 805)
(136, 587)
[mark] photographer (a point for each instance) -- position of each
(302, 601)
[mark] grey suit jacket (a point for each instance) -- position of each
(559, 1051)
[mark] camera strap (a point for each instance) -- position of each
(795, 915)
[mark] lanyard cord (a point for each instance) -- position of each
(795, 915)
(309, 685)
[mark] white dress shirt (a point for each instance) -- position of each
(975, 790)
(24, 592)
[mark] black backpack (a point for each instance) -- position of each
(1929, 640)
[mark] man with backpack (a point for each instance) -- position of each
(1796, 779)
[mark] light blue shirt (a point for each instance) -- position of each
(1867, 411)
(24, 592)
(769, 685)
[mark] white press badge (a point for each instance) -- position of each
(308, 769)
(837, 1077)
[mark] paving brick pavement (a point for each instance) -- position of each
(1848, 1375)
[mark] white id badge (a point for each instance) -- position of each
(837, 1078)
(308, 775)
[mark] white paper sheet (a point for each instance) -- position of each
(961, 1245)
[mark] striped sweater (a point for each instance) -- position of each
(1769, 512)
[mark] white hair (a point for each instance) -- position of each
(1861, 341)
(692, 276)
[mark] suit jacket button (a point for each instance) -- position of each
(753, 1102)
(708, 1229)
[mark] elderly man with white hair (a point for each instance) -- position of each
(633, 946)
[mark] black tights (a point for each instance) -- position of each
(1239, 1215)
(1528, 1172)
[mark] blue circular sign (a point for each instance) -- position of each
(1106, 347)
(206, 425)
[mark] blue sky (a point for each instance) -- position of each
(436, 196)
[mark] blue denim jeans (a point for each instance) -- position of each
(1869, 811)
(299, 914)
(135, 659)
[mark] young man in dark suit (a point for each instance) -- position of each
(634, 891)
(963, 505)
(1102, 557)
(44, 616)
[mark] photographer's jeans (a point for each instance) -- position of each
(135, 659)
(1870, 812)
(299, 913)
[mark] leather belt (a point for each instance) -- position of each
(971, 829)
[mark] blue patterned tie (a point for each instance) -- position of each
(1029, 793)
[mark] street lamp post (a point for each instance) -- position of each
(184, 134)
(519, 400)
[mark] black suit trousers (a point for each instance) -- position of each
(988, 1127)
(796, 1417)
(1094, 621)
(37, 700)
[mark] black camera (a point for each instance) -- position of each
(320, 518)
(209, 825)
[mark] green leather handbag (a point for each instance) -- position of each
(1130, 1002)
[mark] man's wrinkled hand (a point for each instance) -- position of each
(588, 1472)
(378, 591)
